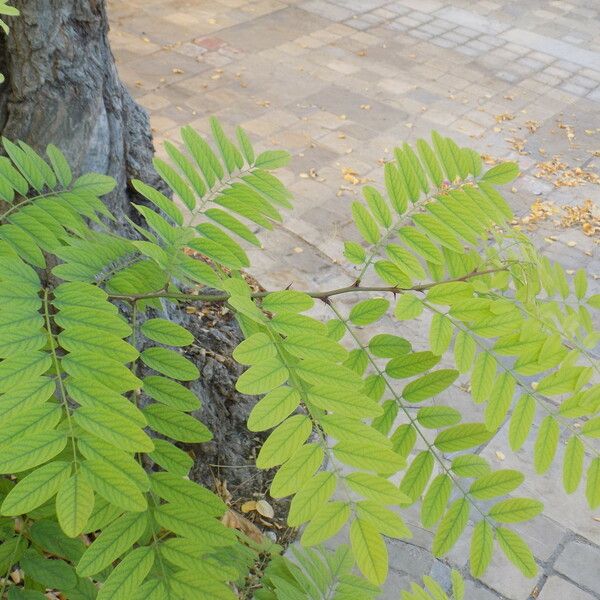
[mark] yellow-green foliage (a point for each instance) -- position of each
(73, 437)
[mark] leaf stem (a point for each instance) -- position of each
(59, 380)
(320, 295)
(411, 418)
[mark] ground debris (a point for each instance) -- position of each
(562, 175)
(585, 216)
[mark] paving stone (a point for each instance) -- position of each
(580, 562)
(557, 588)
(289, 70)
(477, 592)
(577, 90)
(327, 10)
(584, 81)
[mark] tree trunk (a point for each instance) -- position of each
(62, 87)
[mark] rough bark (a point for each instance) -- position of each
(62, 87)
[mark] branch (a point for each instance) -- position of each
(324, 295)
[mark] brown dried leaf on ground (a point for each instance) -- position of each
(586, 216)
(488, 159)
(518, 144)
(504, 117)
(562, 175)
(234, 520)
(351, 176)
(569, 131)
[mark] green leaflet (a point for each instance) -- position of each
(344, 401)
(352, 430)
(573, 464)
(482, 546)
(166, 332)
(114, 540)
(451, 527)
(113, 428)
(440, 334)
(354, 252)
(170, 392)
(417, 475)
(288, 301)
(49, 536)
(255, 349)
(101, 369)
(435, 500)
(320, 374)
(22, 367)
(405, 261)
(189, 523)
(112, 485)
(411, 364)
(483, 376)
(521, 421)
(176, 424)
(369, 550)
(462, 437)
(37, 487)
(429, 385)
(368, 311)
(305, 345)
(421, 244)
(273, 408)
(378, 206)
(396, 190)
(272, 159)
(434, 417)
(170, 363)
(408, 307)
(498, 483)
(368, 457)
(404, 438)
(592, 491)
(464, 351)
(392, 274)
(284, 441)
(365, 223)
(171, 487)
(53, 574)
(376, 488)
(499, 401)
(166, 205)
(30, 451)
(311, 497)
(546, 444)
(516, 551)
(385, 521)
(262, 377)
(503, 173)
(385, 345)
(296, 470)
(74, 504)
(328, 520)
(129, 574)
(514, 510)
(171, 458)
(470, 465)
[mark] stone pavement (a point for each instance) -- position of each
(339, 83)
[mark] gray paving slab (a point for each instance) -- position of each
(339, 83)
